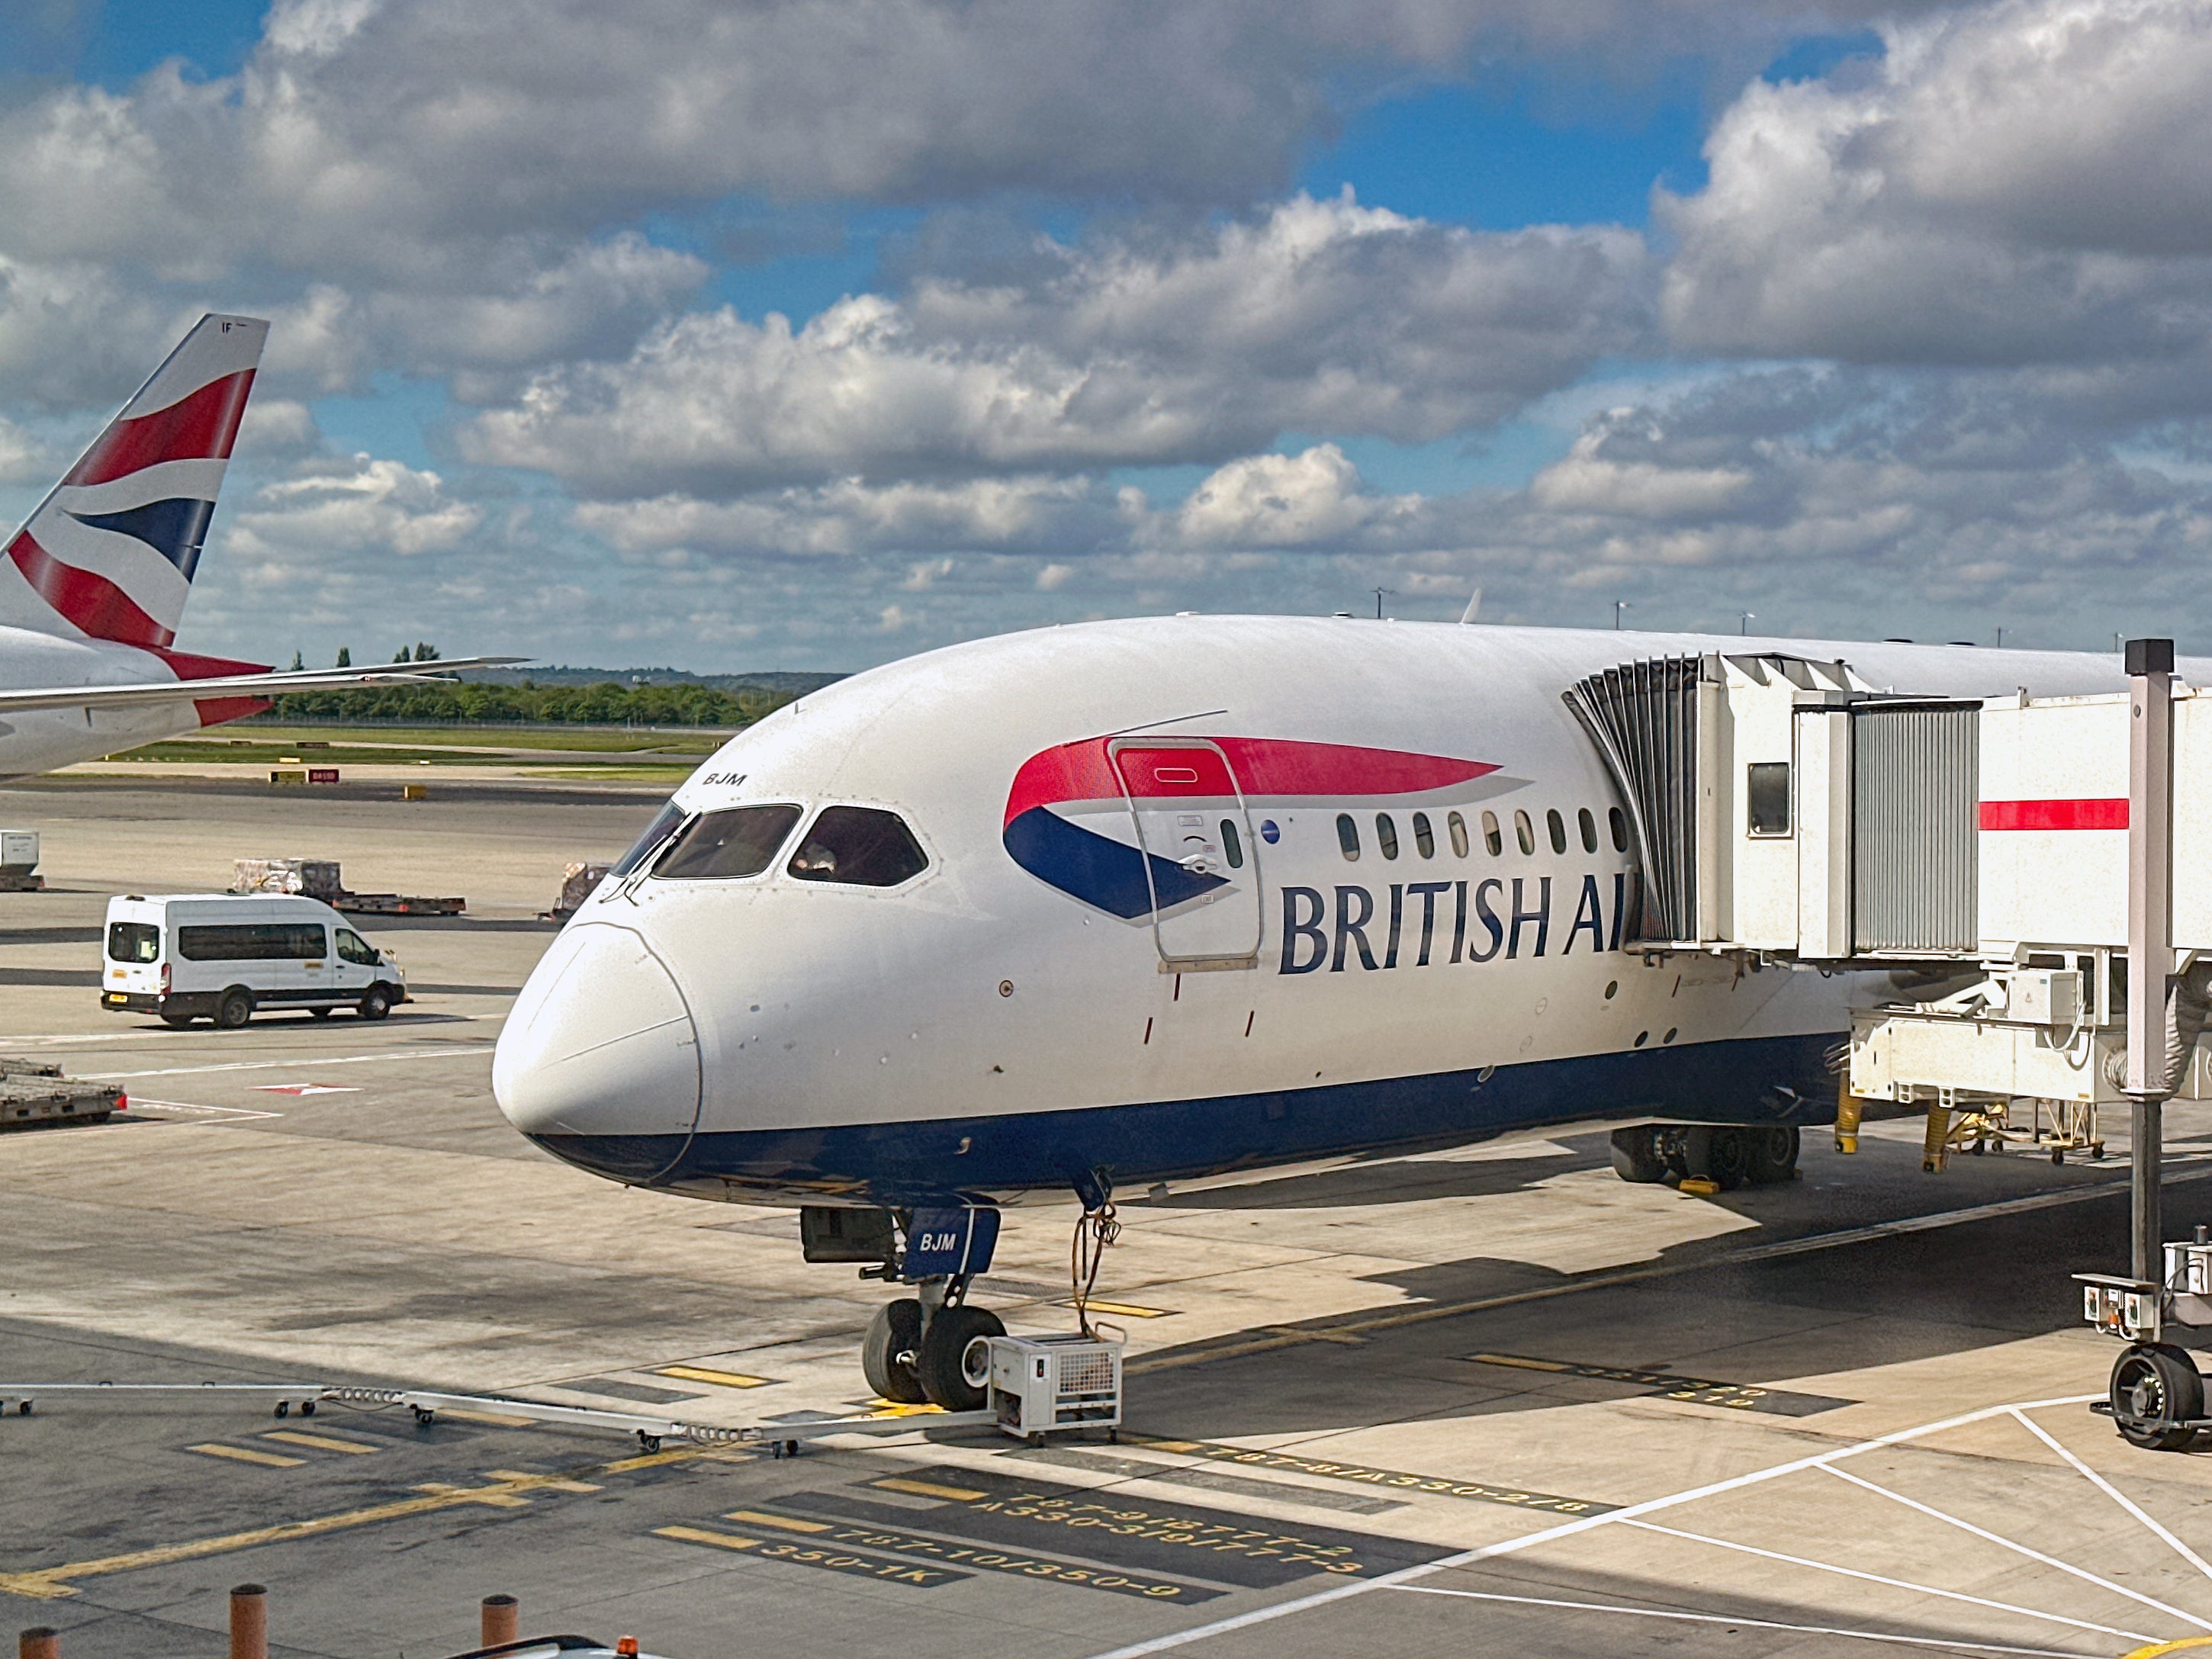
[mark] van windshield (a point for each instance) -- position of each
(133, 941)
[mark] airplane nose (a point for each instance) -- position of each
(601, 1042)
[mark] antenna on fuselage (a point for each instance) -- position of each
(1473, 609)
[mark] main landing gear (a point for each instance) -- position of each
(1727, 1154)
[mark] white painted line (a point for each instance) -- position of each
(1735, 1623)
(171, 1036)
(290, 1065)
(2081, 1573)
(2115, 1494)
(1895, 1583)
(217, 1112)
(1569, 1529)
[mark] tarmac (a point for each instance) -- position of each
(1492, 1399)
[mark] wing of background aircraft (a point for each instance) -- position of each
(240, 685)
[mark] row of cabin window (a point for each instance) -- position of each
(1493, 837)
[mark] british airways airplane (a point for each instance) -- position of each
(94, 584)
(1097, 907)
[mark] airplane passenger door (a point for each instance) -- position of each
(1201, 861)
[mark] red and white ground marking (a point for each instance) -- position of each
(303, 1089)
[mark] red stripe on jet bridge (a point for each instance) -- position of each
(201, 425)
(2105, 814)
(1269, 767)
(86, 598)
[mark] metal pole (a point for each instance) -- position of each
(2150, 932)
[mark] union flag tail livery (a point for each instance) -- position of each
(110, 553)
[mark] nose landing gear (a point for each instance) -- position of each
(930, 1349)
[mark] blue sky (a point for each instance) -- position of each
(1094, 311)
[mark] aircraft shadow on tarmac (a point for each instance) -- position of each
(1888, 1300)
(1393, 1178)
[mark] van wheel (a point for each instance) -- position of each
(178, 1020)
(235, 1008)
(375, 1002)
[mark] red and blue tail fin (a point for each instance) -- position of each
(109, 554)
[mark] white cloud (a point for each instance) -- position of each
(360, 504)
(1285, 501)
(2023, 182)
(1318, 315)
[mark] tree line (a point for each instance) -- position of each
(606, 704)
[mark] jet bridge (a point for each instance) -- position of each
(2026, 883)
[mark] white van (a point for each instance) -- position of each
(221, 956)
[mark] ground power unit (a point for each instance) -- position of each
(1042, 1383)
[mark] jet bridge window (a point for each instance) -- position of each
(739, 841)
(1766, 794)
(647, 844)
(1424, 838)
(859, 846)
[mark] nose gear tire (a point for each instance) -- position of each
(947, 1376)
(887, 1352)
(2154, 1387)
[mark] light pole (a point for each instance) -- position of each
(1619, 605)
(1379, 592)
(1743, 622)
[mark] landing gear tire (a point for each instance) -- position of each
(235, 1008)
(954, 1365)
(1773, 1152)
(887, 1352)
(1637, 1157)
(1719, 1153)
(2154, 1387)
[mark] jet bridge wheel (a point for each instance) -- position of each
(2155, 1386)
(887, 1352)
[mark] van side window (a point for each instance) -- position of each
(1386, 835)
(1524, 832)
(1588, 826)
(1347, 834)
(859, 846)
(353, 948)
(1458, 825)
(1618, 821)
(1493, 842)
(739, 840)
(1425, 839)
(261, 941)
(133, 941)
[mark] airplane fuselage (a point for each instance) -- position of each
(1200, 894)
(43, 739)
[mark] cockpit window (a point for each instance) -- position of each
(648, 843)
(859, 846)
(740, 840)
